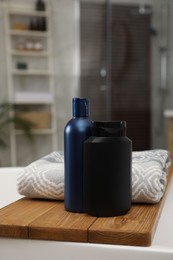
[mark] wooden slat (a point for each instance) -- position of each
(48, 220)
(137, 228)
(15, 218)
(58, 224)
(131, 229)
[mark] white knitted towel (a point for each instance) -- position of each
(149, 175)
(44, 178)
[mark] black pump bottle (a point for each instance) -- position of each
(107, 170)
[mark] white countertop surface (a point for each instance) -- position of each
(17, 249)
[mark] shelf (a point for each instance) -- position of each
(33, 98)
(37, 131)
(20, 11)
(29, 33)
(29, 53)
(32, 102)
(31, 72)
(168, 113)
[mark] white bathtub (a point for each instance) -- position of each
(8, 188)
(21, 249)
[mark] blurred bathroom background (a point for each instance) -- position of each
(118, 53)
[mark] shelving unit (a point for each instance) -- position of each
(37, 74)
(21, 11)
(29, 53)
(28, 33)
(31, 72)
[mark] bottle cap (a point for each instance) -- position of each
(80, 107)
(109, 129)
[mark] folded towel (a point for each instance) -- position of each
(149, 175)
(44, 178)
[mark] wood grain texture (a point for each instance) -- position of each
(15, 218)
(137, 228)
(48, 220)
(58, 224)
(133, 228)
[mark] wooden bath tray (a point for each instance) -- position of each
(39, 219)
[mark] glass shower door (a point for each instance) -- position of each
(93, 75)
(115, 65)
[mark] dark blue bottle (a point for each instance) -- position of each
(77, 130)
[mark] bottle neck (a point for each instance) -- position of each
(80, 107)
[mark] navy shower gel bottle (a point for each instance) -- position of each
(77, 130)
(107, 170)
